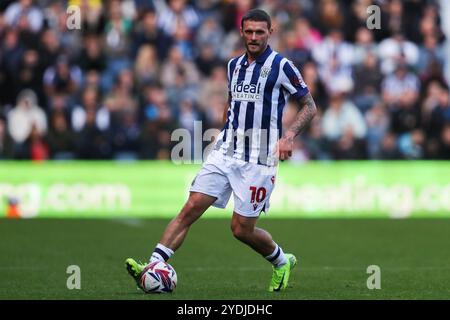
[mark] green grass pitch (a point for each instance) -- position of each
(334, 255)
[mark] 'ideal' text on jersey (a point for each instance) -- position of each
(259, 91)
(246, 92)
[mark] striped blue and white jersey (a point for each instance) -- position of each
(259, 91)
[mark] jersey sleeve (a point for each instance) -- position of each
(292, 80)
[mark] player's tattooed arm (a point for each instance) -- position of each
(307, 112)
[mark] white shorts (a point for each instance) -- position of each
(251, 183)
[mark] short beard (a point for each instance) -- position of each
(254, 53)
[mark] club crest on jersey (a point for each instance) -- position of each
(265, 72)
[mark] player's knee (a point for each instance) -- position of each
(240, 232)
(190, 211)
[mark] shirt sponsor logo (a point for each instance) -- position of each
(246, 92)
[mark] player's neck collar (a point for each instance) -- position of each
(259, 59)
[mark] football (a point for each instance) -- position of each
(158, 277)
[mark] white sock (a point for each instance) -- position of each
(277, 257)
(161, 253)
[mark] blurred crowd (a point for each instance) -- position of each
(138, 69)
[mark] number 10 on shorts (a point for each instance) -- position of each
(258, 194)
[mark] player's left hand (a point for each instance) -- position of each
(284, 148)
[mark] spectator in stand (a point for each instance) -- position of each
(329, 16)
(429, 24)
(348, 147)
(206, 60)
(377, 119)
(149, 140)
(233, 13)
(23, 14)
(29, 73)
(12, 52)
(210, 34)
(401, 92)
(433, 109)
(182, 39)
(315, 85)
(411, 144)
(367, 79)
(117, 31)
(341, 117)
(291, 50)
(155, 142)
(335, 58)
(175, 65)
(180, 78)
(396, 20)
(430, 52)
(400, 88)
(60, 138)
(147, 31)
(333, 47)
(307, 37)
(444, 146)
(124, 91)
(178, 11)
(364, 45)
(154, 100)
(146, 66)
(125, 134)
(389, 149)
(36, 145)
(92, 80)
(356, 19)
(59, 103)
(117, 43)
(316, 143)
(395, 51)
(6, 144)
(188, 115)
(89, 102)
(25, 116)
(213, 95)
(437, 117)
(62, 78)
(92, 56)
(50, 48)
(53, 12)
(90, 142)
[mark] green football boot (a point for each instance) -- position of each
(280, 276)
(135, 270)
